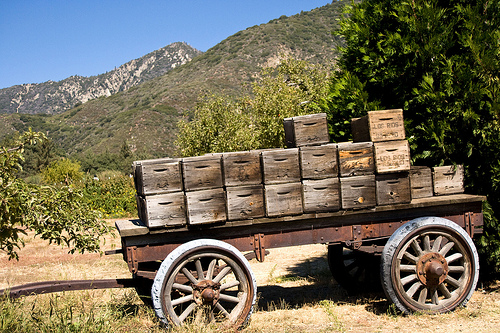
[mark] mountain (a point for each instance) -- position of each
(145, 117)
(56, 97)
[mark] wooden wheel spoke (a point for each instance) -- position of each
(434, 296)
(230, 298)
(427, 243)
(444, 290)
(210, 270)
(182, 287)
(446, 248)
(414, 288)
(188, 311)
(416, 247)
(222, 274)
(351, 266)
(410, 257)
(437, 244)
(422, 297)
(189, 276)
(456, 269)
(181, 300)
(454, 282)
(229, 285)
(222, 310)
(454, 257)
(199, 270)
(408, 268)
(408, 279)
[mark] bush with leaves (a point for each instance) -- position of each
(440, 62)
(57, 214)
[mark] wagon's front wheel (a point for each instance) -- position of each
(431, 265)
(204, 281)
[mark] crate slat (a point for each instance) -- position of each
(306, 130)
(355, 158)
(280, 166)
(206, 206)
(157, 176)
(392, 156)
(358, 192)
(318, 162)
(448, 179)
(242, 168)
(421, 182)
(162, 210)
(283, 199)
(202, 172)
(393, 188)
(376, 126)
(322, 195)
(245, 202)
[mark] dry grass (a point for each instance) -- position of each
(296, 294)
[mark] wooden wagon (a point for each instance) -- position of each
(203, 218)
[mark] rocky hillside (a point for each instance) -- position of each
(56, 97)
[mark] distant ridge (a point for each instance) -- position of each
(55, 97)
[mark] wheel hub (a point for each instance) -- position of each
(206, 292)
(432, 269)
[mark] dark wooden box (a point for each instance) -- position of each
(162, 210)
(392, 156)
(393, 188)
(448, 179)
(355, 158)
(382, 125)
(245, 202)
(206, 206)
(280, 166)
(318, 162)
(358, 192)
(202, 172)
(421, 182)
(321, 195)
(241, 168)
(283, 199)
(157, 176)
(306, 130)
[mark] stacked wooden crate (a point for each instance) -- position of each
(310, 176)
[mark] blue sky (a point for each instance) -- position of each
(43, 40)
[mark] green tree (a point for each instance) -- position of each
(56, 214)
(63, 171)
(440, 62)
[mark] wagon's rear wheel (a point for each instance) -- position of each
(429, 264)
(354, 270)
(204, 281)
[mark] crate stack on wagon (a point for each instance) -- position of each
(311, 175)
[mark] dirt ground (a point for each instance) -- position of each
(295, 292)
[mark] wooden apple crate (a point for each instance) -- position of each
(280, 166)
(306, 130)
(245, 202)
(392, 156)
(355, 158)
(321, 195)
(202, 172)
(448, 179)
(358, 192)
(393, 188)
(376, 126)
(421, 182)
(242, 168)
(162, 210)
(283, 199)
(157, 176)
(206, 206)
(318, 162)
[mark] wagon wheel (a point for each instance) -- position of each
(429, 264)
(204, 281)
(355, 271)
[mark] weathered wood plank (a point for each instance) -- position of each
(421, 182)
(245, 202)
(280, 166)
(382, 125)
(356, 158)
(306, 130)
(393, 188)
(392, 156)
(163, 210)
(202, 172)
(242, 168)
(157, 176)
(283, 199)
(318, 162)
(322, 195)
(448, 179)
(206, 206)
(358, 192)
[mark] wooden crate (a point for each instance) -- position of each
(241, 168)
(448, 179)
(202, 172)
(383, 125)
(421, 182)
(321, 195)
(358, 192)
(355, 159)
(306, 130)
(157, 176)
(283, 199)
(318, 162)
(245, 202)
(393, 188)
(392, 156)
(206, 206)
(162, 210)
(280, 166)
